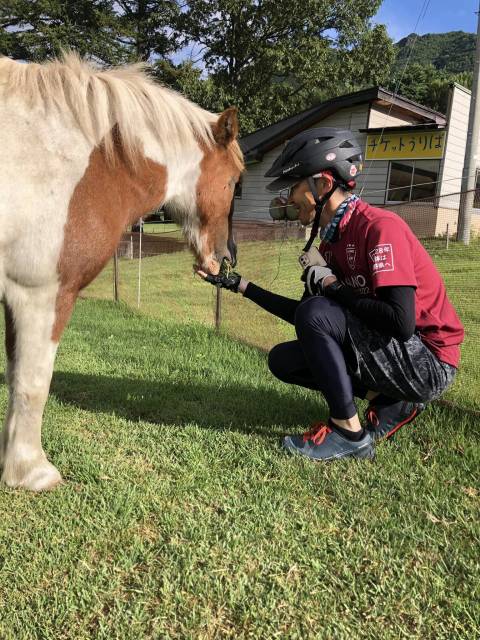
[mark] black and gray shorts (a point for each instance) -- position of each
(406, 370)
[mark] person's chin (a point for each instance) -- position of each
(306, 218)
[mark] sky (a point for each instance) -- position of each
(401, 16)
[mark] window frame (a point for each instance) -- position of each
(238, 189)
(476, 193)
(412, 184)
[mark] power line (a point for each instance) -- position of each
(422, 14)
(379, 191)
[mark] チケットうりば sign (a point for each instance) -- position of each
(420, 145)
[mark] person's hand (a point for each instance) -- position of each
(226, 279)
(326, 282)
(314, 277)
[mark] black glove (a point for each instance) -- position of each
(313, 277)
(228, 281)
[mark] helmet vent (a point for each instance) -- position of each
(346, 145)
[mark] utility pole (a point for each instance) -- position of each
(470, 163)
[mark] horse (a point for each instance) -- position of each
(84, 153)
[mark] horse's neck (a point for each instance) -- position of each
(157, 176)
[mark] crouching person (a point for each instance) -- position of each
(374, 321)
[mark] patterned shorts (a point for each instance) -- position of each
(404, 370)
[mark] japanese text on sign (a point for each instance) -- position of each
(413, 144)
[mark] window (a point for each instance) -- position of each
(238, 188)
(476, 195)
(412, 180)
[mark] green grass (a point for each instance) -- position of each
(169, 291)
(182, 518)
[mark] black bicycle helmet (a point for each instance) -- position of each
(316, 150)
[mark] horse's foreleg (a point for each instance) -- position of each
(31, 322)
(10, 363)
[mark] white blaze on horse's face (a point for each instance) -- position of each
(200, 197)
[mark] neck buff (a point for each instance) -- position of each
(332, 231)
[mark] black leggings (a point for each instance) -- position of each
(317, 360)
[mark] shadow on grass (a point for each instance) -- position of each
(232, 408)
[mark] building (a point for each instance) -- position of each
(412, 153)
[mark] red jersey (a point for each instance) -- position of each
(378, 249)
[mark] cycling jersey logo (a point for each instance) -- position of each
(382, 258)
(351, 255)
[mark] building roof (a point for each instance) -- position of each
(256, 144)
(428, 126)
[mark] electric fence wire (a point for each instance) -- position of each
(376, 191)
(282, 245)
(421, 16)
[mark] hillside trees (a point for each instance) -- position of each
(427, 85)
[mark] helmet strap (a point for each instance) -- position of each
(319, 204)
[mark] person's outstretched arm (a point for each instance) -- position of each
(279, 306)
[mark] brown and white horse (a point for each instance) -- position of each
(84, 153)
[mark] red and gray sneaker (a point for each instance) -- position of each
(321, 442)
(385, 416)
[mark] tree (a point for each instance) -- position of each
(37, 29)
(273, 58)
(112, 31)
(146, 27)
(427, 85)
(187, 78)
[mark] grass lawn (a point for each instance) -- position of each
(162, 227)
(182, 518)
(170, 292)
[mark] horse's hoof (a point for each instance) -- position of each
(40, 477)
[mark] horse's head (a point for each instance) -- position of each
(220, 170)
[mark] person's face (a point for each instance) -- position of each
(301, 197)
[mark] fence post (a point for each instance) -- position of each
(448, 235)
(139, 285)
(115, 276)
(218, 309)
(131, 247)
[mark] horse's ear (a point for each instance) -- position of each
(225, 130)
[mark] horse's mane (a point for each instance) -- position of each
(108, 104)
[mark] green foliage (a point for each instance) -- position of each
(453, 52)
(188, 79)
(271, 59)
(38, 29)
(423, 84)
(145, 27)
(426, 66)
(427, 85)
(110, 31)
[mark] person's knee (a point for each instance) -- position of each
(277, 362)
(313, 313)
